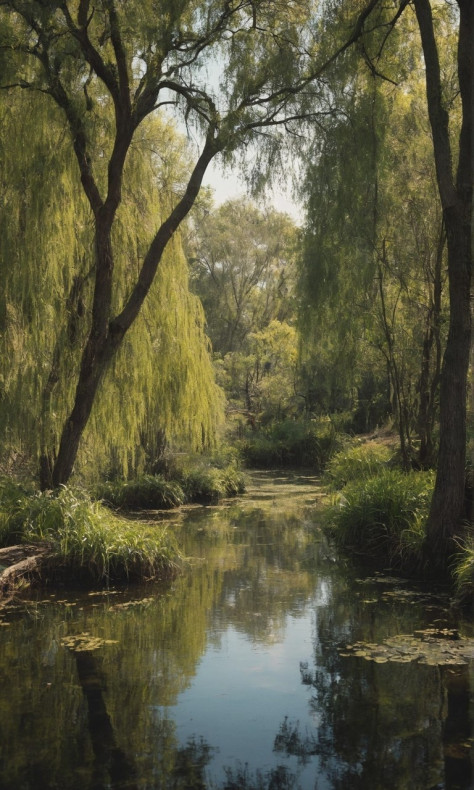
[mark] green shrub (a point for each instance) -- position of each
(356, 462)
(383, 516)
(295, 444)
(149, 492)
(12, 498)
(88, 541)
(204, 483)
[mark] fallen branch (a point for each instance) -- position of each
(23, 562)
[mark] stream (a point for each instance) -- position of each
(270, 663)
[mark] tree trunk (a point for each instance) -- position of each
(106, 333)
(431, 365)
(448, 504)
(448, 507)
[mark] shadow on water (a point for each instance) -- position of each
(268, 665)
(112, 767)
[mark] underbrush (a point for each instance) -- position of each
(382, 517)
(88, 542)
(380, 513)
(357, 462)
(194, 480)
(148, 492)
(295, 444)
(464, 570)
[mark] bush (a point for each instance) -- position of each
(87, 541)
(204, 483)
(295, 444)
(357, 462)
(197, 479)
(149, 492)
(384, 516)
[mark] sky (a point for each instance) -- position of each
(227, 185)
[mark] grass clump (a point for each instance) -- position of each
(204, 483)
(193, 479)
(357, 462)
(463, 570)
(88, 542)
(148, 492)
(291, 444)
(383, 517)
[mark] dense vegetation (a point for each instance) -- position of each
(139, 322)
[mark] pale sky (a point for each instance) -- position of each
(228, 186)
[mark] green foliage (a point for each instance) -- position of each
(372, 270)
(161, 385)
(191, 479)
(292, 443)
(383, 516)
(87, 541)
(208, 484)
(463, 570)
(356, 462)
(148, 492)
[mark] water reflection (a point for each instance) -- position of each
(231, 676)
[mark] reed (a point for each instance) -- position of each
(383, 516)
(87, 541)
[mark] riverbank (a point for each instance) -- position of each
(68, 536)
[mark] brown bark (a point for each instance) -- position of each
(448, 507)
(431, 365)
(106, 335)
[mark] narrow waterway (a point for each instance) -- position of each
(270, 663)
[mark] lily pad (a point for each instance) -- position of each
(431, 646)
(84, 642)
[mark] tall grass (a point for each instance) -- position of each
(357, 462)
(383, 516)
(148, 492)
(204, 483)
(196, 480)
(463, 570)
(87, 541)
(295, 444)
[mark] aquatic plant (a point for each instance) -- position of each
(432, 646)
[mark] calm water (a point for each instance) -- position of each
(231, 675)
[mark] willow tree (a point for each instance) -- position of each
(161, 384)
(448, 61)
(232, 67)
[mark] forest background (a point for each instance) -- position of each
(137, 319)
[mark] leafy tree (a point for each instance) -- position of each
(443, 69)
(242, 264)
(243, 268)
(106, 68)
(161, 387)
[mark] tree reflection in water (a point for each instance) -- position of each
(195, 684)
(112, 767)
(365, 739)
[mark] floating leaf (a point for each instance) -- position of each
(85, 642)
(431, 646)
